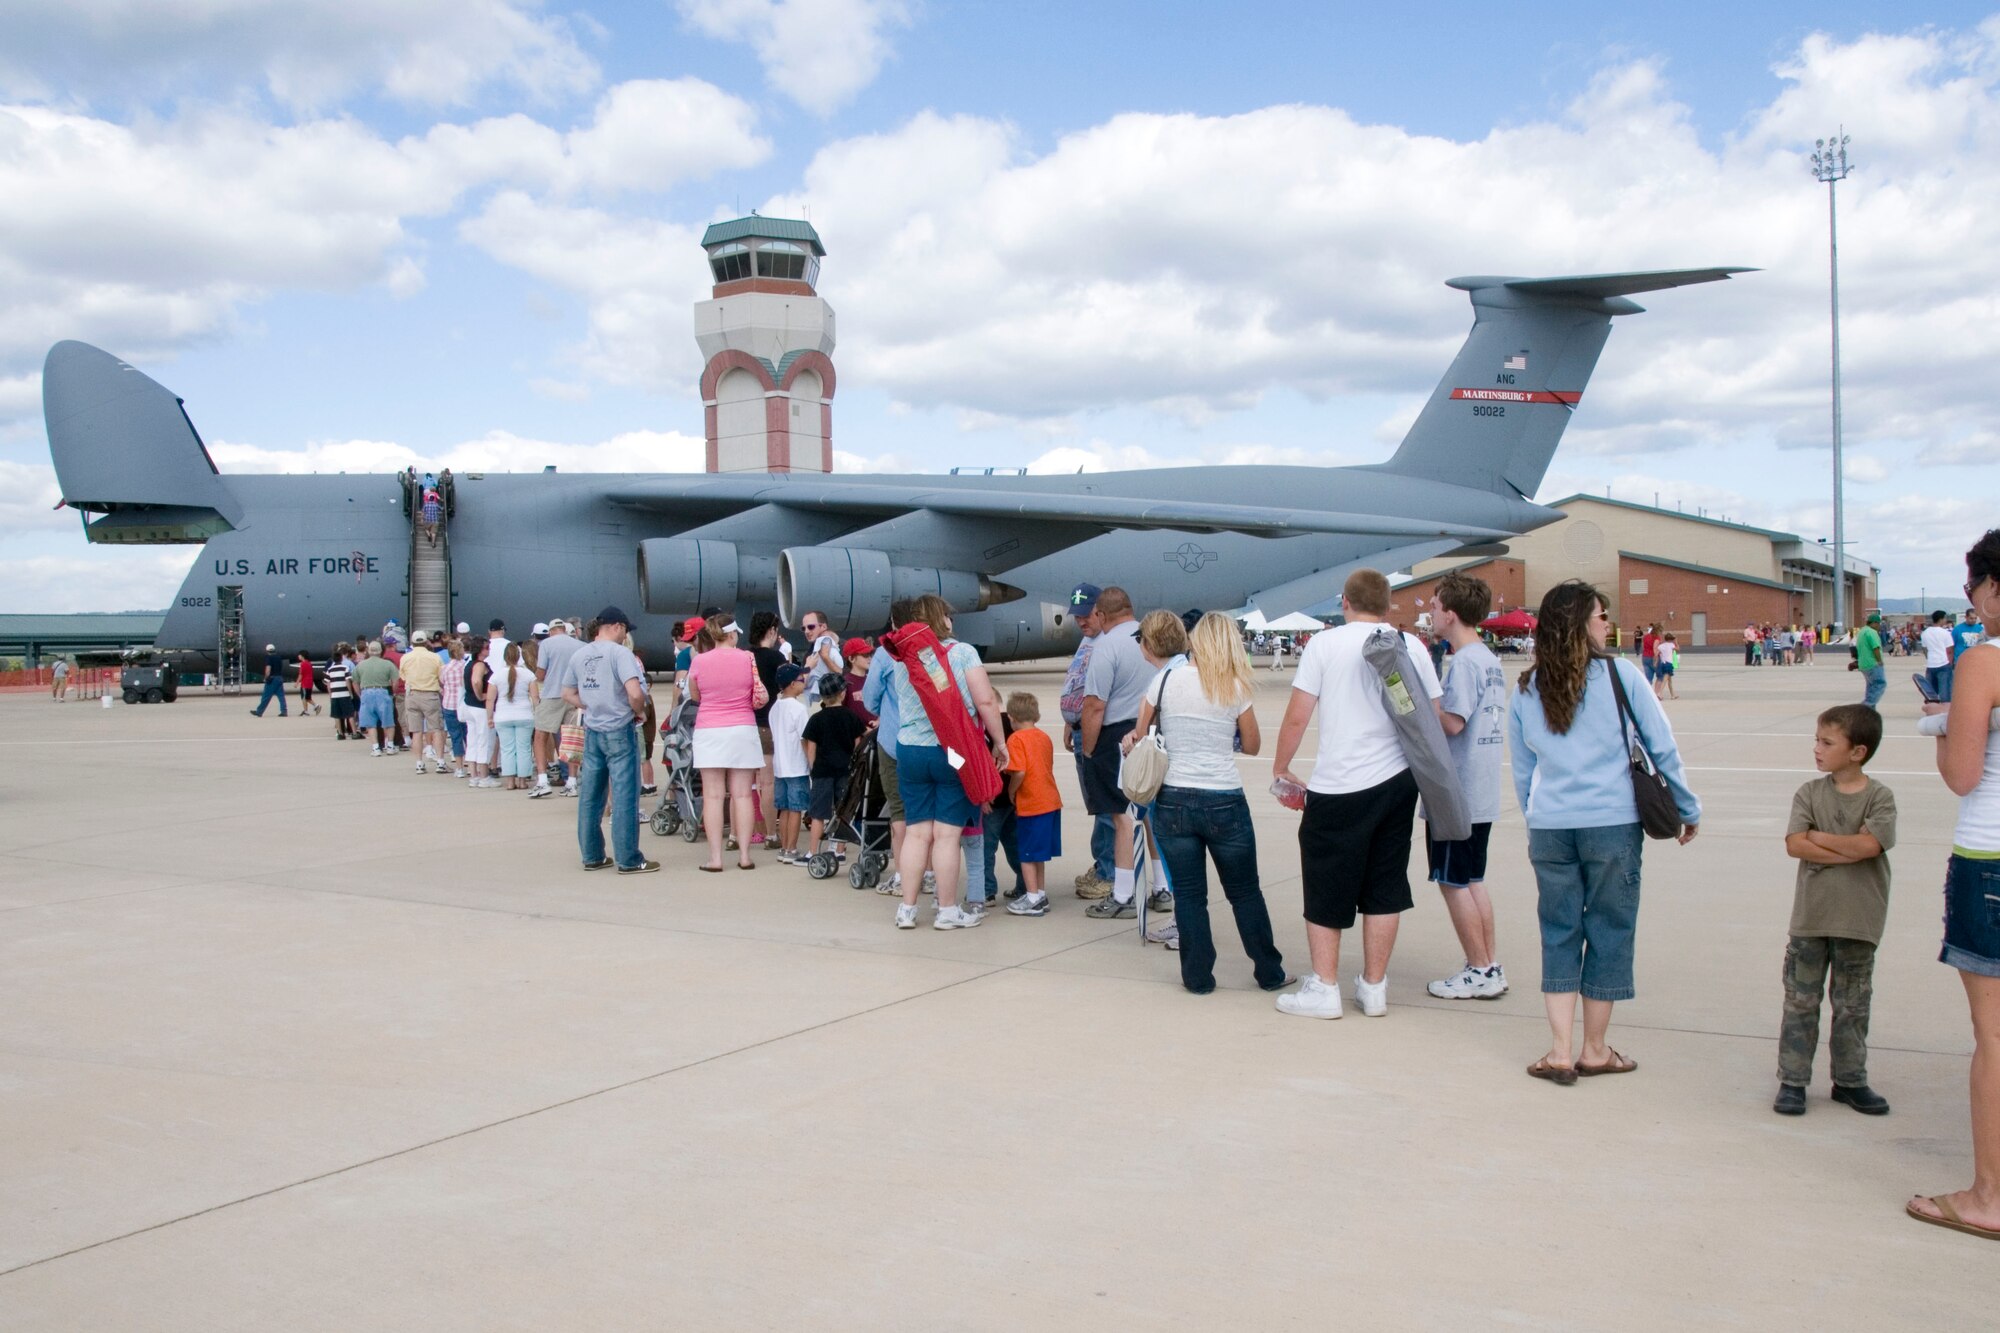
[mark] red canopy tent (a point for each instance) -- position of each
(1509, 622)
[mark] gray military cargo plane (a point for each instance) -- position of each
(301, 561)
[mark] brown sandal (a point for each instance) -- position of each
(1617, 1064)
(1561, 1075)
(1948, 1218)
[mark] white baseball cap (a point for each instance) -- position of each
(541, 628)
(462, 628)
(270, 647)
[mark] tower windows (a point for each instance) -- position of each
(730, 262)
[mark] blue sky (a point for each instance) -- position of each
(353, 234)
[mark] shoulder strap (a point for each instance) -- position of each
(1626, 722)
(1160, 708)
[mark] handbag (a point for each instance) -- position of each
(1143, 770)
(1658, 815)
(570, 748)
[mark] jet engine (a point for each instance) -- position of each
(854, 586)
(679, 574)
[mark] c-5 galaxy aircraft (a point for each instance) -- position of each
(302, 561)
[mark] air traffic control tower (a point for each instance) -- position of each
(767, 385)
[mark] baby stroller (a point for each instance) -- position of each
(679, 810)
(858, 818)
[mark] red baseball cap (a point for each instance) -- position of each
(693, 627)
(854, 646)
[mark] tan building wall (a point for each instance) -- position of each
(1585, 545)
(1504, 574)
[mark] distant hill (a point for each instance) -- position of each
(1912, 606)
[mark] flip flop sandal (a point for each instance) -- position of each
(712, 870)
(1617, 1064)
(1561, 1075)
(1949, 1219)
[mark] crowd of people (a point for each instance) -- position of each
(963, 779)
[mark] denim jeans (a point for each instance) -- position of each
(274, 688)
(455, 731)
(1000, 829)
(1104, 847)
(610, 767)
(1191, 826)
(1587, 892)
(973, 846)
(1877, 677)
(1940, 680)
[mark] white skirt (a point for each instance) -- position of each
(728, 747)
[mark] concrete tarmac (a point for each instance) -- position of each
(293, 1037)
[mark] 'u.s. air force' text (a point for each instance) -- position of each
(329, 564)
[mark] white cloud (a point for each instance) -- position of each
(28, 496)
(819, 53)
(99, 578)
(97, 240)
(305, 53)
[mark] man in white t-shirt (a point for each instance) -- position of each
(1361, 800)
(1936, 639)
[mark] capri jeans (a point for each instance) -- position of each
(1587, 891)
(517, 748)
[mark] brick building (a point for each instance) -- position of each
(1507, 577)
(1695, 574)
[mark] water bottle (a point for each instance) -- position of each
(1290, 794)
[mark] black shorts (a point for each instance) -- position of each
(825, 791)
(1097, 772)
(1458, 865)
(1354, 852)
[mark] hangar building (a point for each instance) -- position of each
(1698, 575)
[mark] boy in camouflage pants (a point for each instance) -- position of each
(1841, 829)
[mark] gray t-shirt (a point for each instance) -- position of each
(553, 657)
(1118, 673)
(1475, 688)
(598, 671)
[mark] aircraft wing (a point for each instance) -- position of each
(1090, 511)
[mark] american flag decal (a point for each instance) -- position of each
(1519, 361)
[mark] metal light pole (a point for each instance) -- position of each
(1829, 164)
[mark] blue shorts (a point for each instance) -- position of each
(377, 708)
(1038, 838)
(1972, 916)
(825, 794)
(930, 787)
(794, 794)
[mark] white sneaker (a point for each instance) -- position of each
(906, 916)
(420, 765)
(890, 886)
(376, 751)
(1496, 983)
(929, 884)
(1465, 986)
(430, 752)
(1373, 999)
(569, 788)
(957, 918)
(1313, 999)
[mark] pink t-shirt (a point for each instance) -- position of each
(724, 678)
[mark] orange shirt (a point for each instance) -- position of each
(1032, 754)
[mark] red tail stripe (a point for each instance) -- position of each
(1520, 395)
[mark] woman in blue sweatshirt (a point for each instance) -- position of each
(1571, 765)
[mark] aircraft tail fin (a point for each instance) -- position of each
(1495, 418)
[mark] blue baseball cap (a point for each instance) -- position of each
(790, 672)
(1083, 599)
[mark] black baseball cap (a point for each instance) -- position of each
(611, 615)
(496, 624)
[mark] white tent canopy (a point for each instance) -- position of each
(1296, 621)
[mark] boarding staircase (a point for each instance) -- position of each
(229, 654)
(430, 561)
